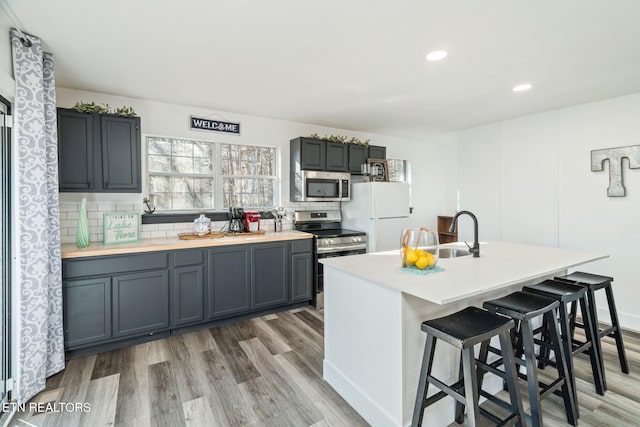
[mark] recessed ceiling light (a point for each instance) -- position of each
(436, 55)
(522, 87)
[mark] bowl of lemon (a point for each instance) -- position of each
(419, 250)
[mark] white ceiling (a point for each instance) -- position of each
(352, 64)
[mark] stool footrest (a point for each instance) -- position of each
(502, 404)
(446, 390)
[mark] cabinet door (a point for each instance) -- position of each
(120, 153)
(358, 155)
(75, 151)
(312, 154)
(337, 157)
(269, 281)
(301, 277)
(188, 295)
(229, 281)
(376, 152)
(140, 303)
(87, 311)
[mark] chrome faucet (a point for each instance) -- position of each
(475, 250)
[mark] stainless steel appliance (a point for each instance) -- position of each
(331, 240)
(235, 220)
(317, 186)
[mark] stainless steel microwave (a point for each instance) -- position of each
(317, 186)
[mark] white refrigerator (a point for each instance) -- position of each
(381, 209)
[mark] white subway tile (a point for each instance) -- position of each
(106, 207)
(165, 227)
(92, 222)
(124, 206)
(158, 234)
(91, 207)
(67, 239)
(150, 227)
(145, 234)
(73, 215)
(93, 237)
(94, 215)
(71, 223)
(62, 216)
(68, 207)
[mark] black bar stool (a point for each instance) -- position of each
(567, 293)
(523, 308)
(593, 283)
(464, 330)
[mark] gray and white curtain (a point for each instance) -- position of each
(40, 339)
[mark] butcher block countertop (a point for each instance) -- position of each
(70, 250)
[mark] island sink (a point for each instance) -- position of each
(452, 252)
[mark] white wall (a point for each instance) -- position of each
(7, 87)
(433, 160)
(529, 180)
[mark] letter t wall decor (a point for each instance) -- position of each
(615, 156)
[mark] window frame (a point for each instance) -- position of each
(216, 175)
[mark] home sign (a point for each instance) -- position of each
(198, 123)
(121, 227)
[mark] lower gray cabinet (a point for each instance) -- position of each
(140, 303)
(188, 293)
(87, 311)
(269, 274)
(302, 273)
(229, 283)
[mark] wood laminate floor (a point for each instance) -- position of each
(262, 372)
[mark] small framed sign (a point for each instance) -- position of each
(378, 170)
(198, 123)
(121, 227)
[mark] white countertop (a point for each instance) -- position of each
(70, 250)
(500, 264)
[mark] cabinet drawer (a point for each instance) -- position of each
(298, 246)
(188, 257)
(114, 264)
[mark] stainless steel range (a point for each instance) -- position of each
(331, 241)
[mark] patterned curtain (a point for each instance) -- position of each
(39, 315)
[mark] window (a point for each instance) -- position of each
(184, 174)
(398, 170)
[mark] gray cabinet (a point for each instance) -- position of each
(308, 153)
(358, 155)
(116, 300)
(337, 157)
(301, 270)
(229, 284)
(98, 153)
(377, 152)
(269, 274)
(87, 310)
(140, 303)
(188, 287)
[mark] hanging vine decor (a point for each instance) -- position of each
(341, 139)
(92, 107)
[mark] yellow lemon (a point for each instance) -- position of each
(431, 260)
(420, 253)
(422, 262)
(410, 258)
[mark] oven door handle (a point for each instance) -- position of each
(341, 249)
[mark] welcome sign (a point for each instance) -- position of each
(121, 227)
(214, 125)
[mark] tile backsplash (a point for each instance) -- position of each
(69, 212)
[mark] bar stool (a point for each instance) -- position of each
(464, 330)
(567, 293)
(524, 308)
(593, 283)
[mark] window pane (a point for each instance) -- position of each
(183, 201)
(397, 170)
(204, 200)
(203, 149)
(158, 146)
(203, 185)
(202, 166)
(182, 148)
(248, 192)
(181, 184)
(159, 184)
(159, 164)
(183, 164)
(162, 201)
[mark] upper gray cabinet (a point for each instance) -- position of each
(323, 155)
(98, 152)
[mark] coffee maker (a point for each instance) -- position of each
(235, 220)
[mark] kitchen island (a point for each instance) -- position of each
(373, 312)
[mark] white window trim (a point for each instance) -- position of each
(218, 191)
